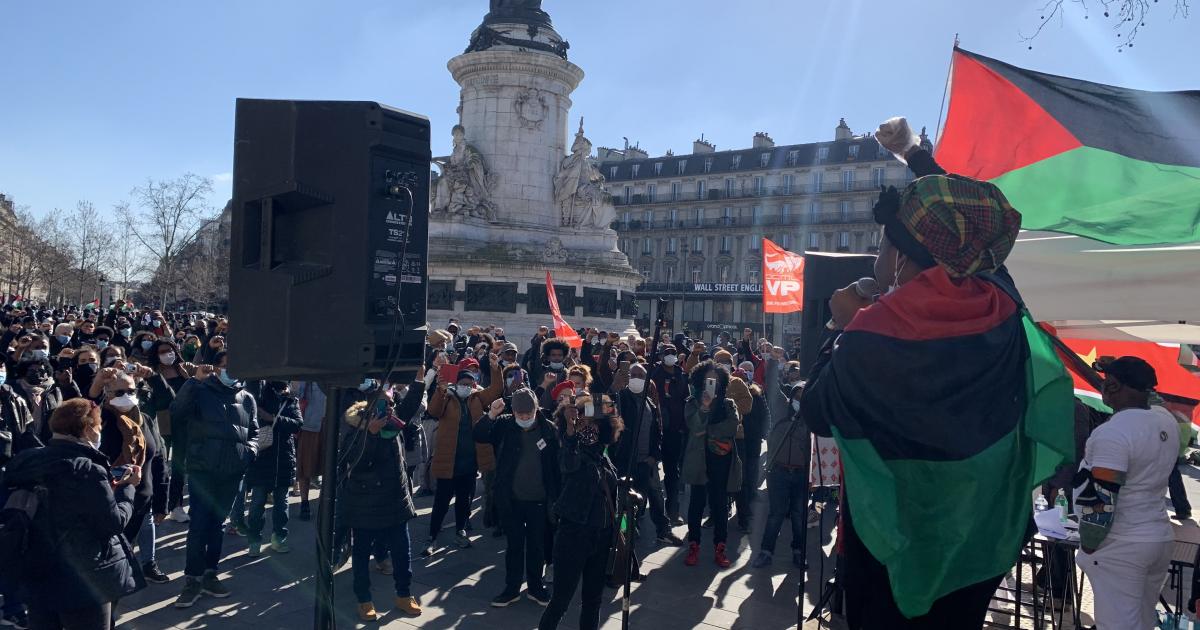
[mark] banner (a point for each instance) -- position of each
(783, 279)
(562, 329)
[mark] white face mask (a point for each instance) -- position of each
(124, 403)
(525, 424)
(463, 390)
(589, 410)
(670, 360)
(167, 358)
(637, 385)
(795, 405)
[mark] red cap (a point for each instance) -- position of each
(565, 386)
(468, 363)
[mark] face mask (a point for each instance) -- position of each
(226, 379)
(167, 358)
(795, 405)
(578, 390)
(637, 385)
(505, 363)
(101, 344)
(463, 390)
(124, 403)
(556, 365)
(126, 332)
(40, 354)
(157, 323)
(728, 369)
(146, 345)
(476, 376)
(3, 378)
(366, 385)
(90, 367)
(96, 444)
(63, 339)
(525, 424)
(670, 360)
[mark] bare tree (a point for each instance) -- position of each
(128, 262)
(1128, 16)
(168, 216)
(91, 240)
(17, 248)
(53, 260)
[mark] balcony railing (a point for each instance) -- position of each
(824, 218)
(795, 190)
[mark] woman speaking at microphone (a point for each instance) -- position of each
(586, 510)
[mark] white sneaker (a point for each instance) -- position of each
(178, 515)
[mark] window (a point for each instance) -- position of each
(675, 189)
(752, 310)
(844, 209)
(722, 310)
(751, 274)
(814, 211)
(785, 214)
(785, 241)
(726, 244)
(727, 216)
(729, 183)
(672, 244)
(787, 184)
(628, 194)
(875, 239)
(693, 310)
(669, 272)
(625, 246)
(696, 275)
(701, 189)
(658, 168)
(848, 180)
(699, 245)
(793, 157)
(756, 215)
(822, 154)
(723, 273)
(877, 176)
(647, 246)
(817, 176)
(764, 160)
(612, 172)
(674, 217)
(636, 168)
(699, 216)
(814, 240)
(651, 192)
(882, 153)
(737, 161)
(708, 165)
(625, 218)
(645, 272)
(755, 241)
(648, 218)
(759, 189)
(681, 166)
(854, 152)
(844, 240)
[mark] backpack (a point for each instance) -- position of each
(22, 531)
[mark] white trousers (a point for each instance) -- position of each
(1126, 578)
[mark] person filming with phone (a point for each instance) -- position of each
(711, 466)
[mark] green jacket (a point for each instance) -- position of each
(695, 471)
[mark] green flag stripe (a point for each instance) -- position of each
(1108, 197)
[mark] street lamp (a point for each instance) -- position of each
(687, 270)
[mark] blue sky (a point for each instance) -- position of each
(98, 96)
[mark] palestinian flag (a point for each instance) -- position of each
(1109, 163)
(950, 406)
(94, 304)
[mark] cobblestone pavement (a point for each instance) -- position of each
(455, 586)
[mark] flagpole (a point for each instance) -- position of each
(937, 134)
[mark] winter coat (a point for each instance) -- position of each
(218, 426)
(504, 435)
(275, 465)
(589, 485)
(705, 425)
(445, 408)
(90, 562)
(52, 397)
(376, 491)
(778, 400)
(121, 438)
(627, 407)
(672, 386)
(17, 432)
(755, 423)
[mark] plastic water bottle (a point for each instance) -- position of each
(1040, 504)
(1060, 502)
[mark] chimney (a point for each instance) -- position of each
(635, 153)
(843, 131)
(763, 141)
(604, 154)
(703, 146)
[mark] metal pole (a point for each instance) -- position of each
(324, 618)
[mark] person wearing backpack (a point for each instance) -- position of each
(80, 563)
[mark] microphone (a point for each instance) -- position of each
(866, 288)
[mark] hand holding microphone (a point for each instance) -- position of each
(845, 303)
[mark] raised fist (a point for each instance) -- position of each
(896, 136)
(497, 408)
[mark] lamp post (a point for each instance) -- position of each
(687, 270)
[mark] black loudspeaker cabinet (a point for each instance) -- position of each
(825, 273)
(323, 284)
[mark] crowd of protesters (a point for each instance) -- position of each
(113, 421)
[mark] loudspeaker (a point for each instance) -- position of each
(330, 239)
(825, 273)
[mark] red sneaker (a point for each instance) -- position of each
(721, 560)
(693, 555)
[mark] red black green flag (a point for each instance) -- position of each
(1113, 164)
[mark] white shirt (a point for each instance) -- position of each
(1144, 443)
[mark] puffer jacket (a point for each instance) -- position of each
(376, 492)
(589, 485)
(88, 558)
(219, 425)
(444, 406)
(275, 465)
(17, 432)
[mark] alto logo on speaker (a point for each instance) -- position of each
(395, 219)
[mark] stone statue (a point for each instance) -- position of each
(579, 188)
(465, 186)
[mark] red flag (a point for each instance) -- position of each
(562, 329)
(783, 279)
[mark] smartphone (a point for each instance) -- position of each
(119, 472)
(710, 386)
(624, 366)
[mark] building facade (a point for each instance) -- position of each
(692, 225)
